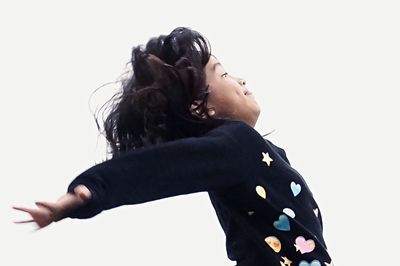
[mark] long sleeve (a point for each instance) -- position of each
(221, 158)
(280, 150)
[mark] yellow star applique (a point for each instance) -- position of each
(266, 158)
(285, 262)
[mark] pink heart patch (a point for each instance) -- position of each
(305, 246)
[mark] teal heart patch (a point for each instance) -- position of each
(313, 263)
(282, 223)
(296, 188)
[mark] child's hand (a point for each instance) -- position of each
(45, 214)
(48, 212)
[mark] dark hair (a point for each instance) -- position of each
(154, 102)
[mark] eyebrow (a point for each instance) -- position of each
(215, 65)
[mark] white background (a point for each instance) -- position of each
(325, 73)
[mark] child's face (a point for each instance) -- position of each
(227, 95)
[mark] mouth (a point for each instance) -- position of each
(247, 93)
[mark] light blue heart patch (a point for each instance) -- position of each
(296, 188)
(313, 263)
(282, 223)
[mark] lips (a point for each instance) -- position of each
(247, 93)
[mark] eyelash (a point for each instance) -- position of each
(224, 74)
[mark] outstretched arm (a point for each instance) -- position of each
(223, 157)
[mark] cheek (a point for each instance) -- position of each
(226, 104)
(229, 89)
(225, 96)
(223, 93)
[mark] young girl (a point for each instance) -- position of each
(183, 125)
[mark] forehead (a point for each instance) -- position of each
(213, 59)
(213, 63)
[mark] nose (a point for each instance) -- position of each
(241, 81)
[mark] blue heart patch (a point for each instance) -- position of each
(313, 263)
(282, 223)
(296, 188)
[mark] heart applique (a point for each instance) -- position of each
(313, 263)
(282, 223)
(289, 212)
(305, 246)
(274, 243)
(261, 192)
(296, 188)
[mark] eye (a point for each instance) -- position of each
(224, 74)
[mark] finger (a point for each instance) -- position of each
(26, 221)
(45, 204)
(23, 209)
(84, 195)
(37, 229)
(83, 192)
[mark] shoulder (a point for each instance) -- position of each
(280, 150)
(237, 126)
(239, 131)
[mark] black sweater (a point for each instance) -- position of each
(264, 206)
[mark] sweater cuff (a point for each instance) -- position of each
(89, 209)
